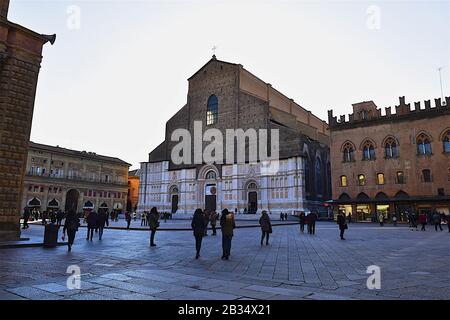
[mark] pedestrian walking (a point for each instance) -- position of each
(206, 216)
(437, 221)
(302, 219)
(342, 225)
(422, 221)
(59, 217)
(394, 220)
(91, 224)
(134, 215)
(312, 218)
(71, 226)
(44, 217)
(153, 224)
(128, 219)
(266, 227)
(286, 216)
(281, 216)
(213, 221)
(143, 219)
(227, 223)
(198, 226)
(381, 219)
(349, 217)
(102, 220)
(26, 217)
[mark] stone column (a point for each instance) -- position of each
(20, 58)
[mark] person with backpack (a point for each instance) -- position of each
(198, 226)
(227, 223)
(71, 226)
(153, 224)
(341, 223)
(266, 227)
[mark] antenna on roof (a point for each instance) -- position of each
(214, 48)
(440, 79)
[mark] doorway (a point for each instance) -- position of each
(252, 202)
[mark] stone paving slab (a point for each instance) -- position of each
(293, 266)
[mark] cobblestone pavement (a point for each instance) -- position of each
(414, 265)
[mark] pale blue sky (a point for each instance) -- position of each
(110, 86)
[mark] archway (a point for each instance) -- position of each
(72, 200)
(252, 197)
(174, 198)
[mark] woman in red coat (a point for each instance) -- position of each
(422, 221)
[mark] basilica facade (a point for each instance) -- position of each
(225, 96)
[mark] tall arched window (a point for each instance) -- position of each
(423, 144)
(307, 177)
(446, 142)
(212, 113)
(318, 174)
(349, 152)
(390, 148)
(368, 151)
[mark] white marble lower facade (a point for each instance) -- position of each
(239, 187)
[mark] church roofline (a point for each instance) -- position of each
(211, 60)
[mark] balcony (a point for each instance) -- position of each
(74, 178)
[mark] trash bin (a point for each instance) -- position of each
(50, 235)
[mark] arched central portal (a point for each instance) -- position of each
(174, 199)
(72, 200)
(252, 197)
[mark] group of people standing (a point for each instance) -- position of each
(308, 220)
(199, 225)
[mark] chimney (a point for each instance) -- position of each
(4, 5)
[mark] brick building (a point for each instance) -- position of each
(59, 178)
(133, 190)
(223, 95)
(20, 58)
(391, 163)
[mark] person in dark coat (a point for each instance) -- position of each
(198, 225)
(91, 224)
(423, 221)
(213, 219)
(266, 227)
(153, 222)
(227, 223)
(312, 217)
(342, 225)
(102, 220)
(302, 219)
(71, 226)
(128, 219)
(59, 217)
(26, 217)
(437, 221)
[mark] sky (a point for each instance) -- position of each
(118, 70)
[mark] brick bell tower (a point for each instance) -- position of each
(20, 60)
